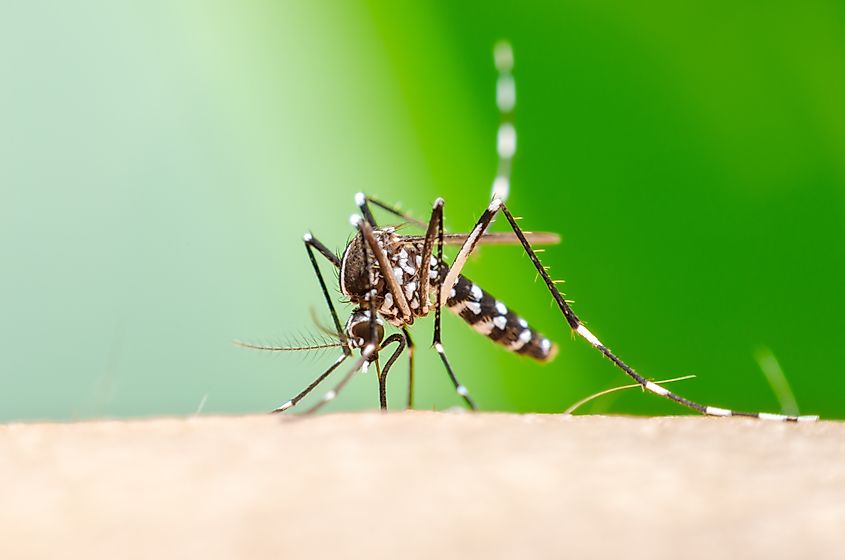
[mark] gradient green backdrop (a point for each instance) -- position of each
(160, 161)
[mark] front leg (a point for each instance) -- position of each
(435, 225)
(392, 284)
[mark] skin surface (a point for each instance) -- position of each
(423, 485)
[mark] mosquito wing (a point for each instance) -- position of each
(498, 238)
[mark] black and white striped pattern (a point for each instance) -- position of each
(482, 311)
(400, 278)
(493, 319)
(577, 326)
(453, 279)
(653, 387)
(506, 135)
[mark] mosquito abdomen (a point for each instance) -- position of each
(494, 320)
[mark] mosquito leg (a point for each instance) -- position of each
(366, 354)
(438, 343)
(433, 231)
(372, 324)
(576, 325)
(372, 314)
(393, 285)
(410, 368)
(506, 136)
(382, 378)
(311, 242)
(574, 322)
(362, 203)
(466, 249)
(314, 242)
(362, 200)
(304, 393)
(459, 388)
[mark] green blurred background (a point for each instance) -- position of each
(161, 161)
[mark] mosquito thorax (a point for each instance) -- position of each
(358, 276)
(358, 329)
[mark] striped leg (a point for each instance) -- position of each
(368, 352)
(506, 136)
(293, 402)
(399, 298)
(312, 243)
(434, 230)
(467, 248)
(575, 323)
(459, 388)
(438, 305)
(577, 326)
(363, 201)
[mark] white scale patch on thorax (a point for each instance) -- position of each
(405, 260)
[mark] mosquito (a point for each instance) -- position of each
(394, 278)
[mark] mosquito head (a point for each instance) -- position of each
(358, 275)
(358, 329)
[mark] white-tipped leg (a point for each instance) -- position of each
(294, 401)
(460, 388)
(284, 407)
(366, 354)
(714, 411)
(588, 336)
(656, 389)
(466, 249)
(575, 323)
(775, 417)
(506, 136)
